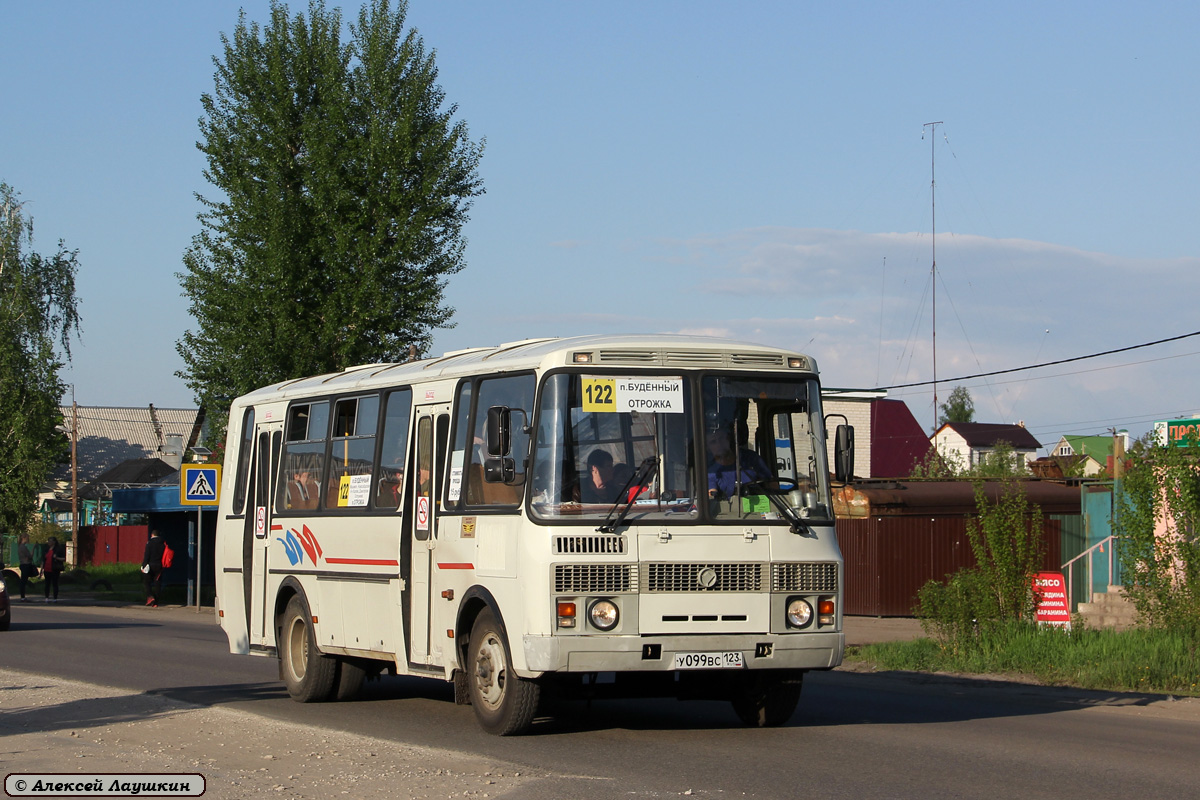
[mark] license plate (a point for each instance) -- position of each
(729, 660)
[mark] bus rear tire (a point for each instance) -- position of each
(349, 682)
(308, 675)
(504, 703)
(767, 701)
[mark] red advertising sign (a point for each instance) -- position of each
(1053, 605)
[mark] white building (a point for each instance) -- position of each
(965, 444)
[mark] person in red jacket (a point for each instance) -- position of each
(52, 566)
(152, 567)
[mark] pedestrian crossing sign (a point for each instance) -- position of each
(199, 484)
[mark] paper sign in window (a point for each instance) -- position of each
(623, 395)
(354, 491)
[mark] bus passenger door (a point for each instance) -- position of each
(259, 504)
(423, 490)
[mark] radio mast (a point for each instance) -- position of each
(933, 270)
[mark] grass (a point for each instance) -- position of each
(1134, 660)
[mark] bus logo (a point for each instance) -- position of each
(297, 543)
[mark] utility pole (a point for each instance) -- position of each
(74, 432)
(1118, 454)
(933, 270)
(74, 481)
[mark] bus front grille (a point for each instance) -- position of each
(594, 578)
(668, 577)
(590, 544)
(804, 577)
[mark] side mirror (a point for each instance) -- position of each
(843, 453)
(499, 431)
(500, 470)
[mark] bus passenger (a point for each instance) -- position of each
(302, 491)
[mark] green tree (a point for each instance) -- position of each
(1002, 461)
(342, 186)
(937, 466)
(38, 316)
(1157, 521)
(959, 407)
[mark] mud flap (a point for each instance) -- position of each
(462, 695)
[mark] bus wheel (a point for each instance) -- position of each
(767, 701)
(350, 677)
(504, 703)
(308, 675)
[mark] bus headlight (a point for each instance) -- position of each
(604, 615)
(799, 612)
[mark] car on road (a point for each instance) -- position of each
(5, 608)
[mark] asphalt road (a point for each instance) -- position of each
(857, 735)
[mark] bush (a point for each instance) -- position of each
(1006, 541)
(954, 613)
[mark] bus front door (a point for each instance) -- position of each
(423, 491)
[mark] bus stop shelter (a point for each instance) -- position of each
(178, 525)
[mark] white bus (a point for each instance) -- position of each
(604, 515)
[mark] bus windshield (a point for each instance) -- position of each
(719, 448)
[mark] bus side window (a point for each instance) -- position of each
(393, 448)
(302, 463)
(516, 393)
(352, 453)
(242, 477)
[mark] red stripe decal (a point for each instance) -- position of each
(276, 528)
(366, 562)
(455, 566)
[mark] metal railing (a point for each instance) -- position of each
(1108, 546)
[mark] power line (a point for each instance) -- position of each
(1039, 366)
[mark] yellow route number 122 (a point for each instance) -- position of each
(599, 394)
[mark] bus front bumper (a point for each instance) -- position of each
(545, 654)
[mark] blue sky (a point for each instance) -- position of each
(756, 170)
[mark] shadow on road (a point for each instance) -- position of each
(92, 712)
(17, 627)
(219, 694)
(845, 699)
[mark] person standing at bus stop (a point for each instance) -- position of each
(152, 567)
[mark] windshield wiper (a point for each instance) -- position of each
(799, 526)
(629, 493)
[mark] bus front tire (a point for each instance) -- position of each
(767, 701)
(504, 703)
(308, 675)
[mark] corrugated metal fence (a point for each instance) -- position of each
(888, 559)
(112, 544)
